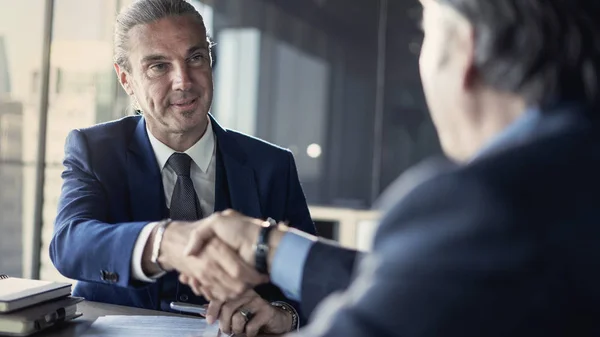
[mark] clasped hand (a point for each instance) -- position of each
(261, 316)
(218, 263)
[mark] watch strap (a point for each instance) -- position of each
(261, 249)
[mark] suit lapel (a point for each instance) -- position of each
(145, 182)
(235, 180)
(222, 198)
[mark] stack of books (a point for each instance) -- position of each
(28, 306)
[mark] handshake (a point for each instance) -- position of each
(215, 257)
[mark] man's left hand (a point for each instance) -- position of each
(263, 317)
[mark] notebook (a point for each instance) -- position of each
(17, 293)
(27, 321)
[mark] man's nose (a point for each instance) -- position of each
(181, 78)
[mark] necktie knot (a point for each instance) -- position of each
(180, 163)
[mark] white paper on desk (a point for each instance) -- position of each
(152, 326)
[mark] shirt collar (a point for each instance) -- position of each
(513, 133)
(537, 122)
(201, 152)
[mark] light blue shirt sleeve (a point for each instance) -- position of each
(288, 264)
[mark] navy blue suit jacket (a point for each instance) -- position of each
(112, 188)
(506, 245)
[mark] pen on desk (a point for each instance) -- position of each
(189, 308)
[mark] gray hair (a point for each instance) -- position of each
(143, 12)
(544, 50)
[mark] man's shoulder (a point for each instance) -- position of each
(419, 174)
(113, 131)
(529, 181)
(536, 164)
(433, 185)
(440, 191)
(256, 149)
(103, 146)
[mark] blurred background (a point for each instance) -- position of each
(335, 81)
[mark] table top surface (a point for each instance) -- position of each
(91, 311)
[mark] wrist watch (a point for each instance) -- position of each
(290, 310)
(261, 248)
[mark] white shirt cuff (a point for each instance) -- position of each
(138, 252)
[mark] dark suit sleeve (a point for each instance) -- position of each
(449, 259)
(296, 211)
(328, 268)
(84, 245)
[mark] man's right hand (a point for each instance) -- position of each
(239, 233)
(175, 234)
(206, 265)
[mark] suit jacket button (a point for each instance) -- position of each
(183, 298)
(114, 277)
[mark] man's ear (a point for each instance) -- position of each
(460, 49)
(470, 76)
(123, 77)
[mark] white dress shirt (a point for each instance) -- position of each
(203, 175)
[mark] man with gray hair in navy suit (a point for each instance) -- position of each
(133, 189)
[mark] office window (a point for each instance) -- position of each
(302, 74)
(408, 135)
(21, 34)
(83, 91)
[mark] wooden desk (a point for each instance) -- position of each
(91, 311)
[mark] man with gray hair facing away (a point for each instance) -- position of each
(503, 244)
(133, 189)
